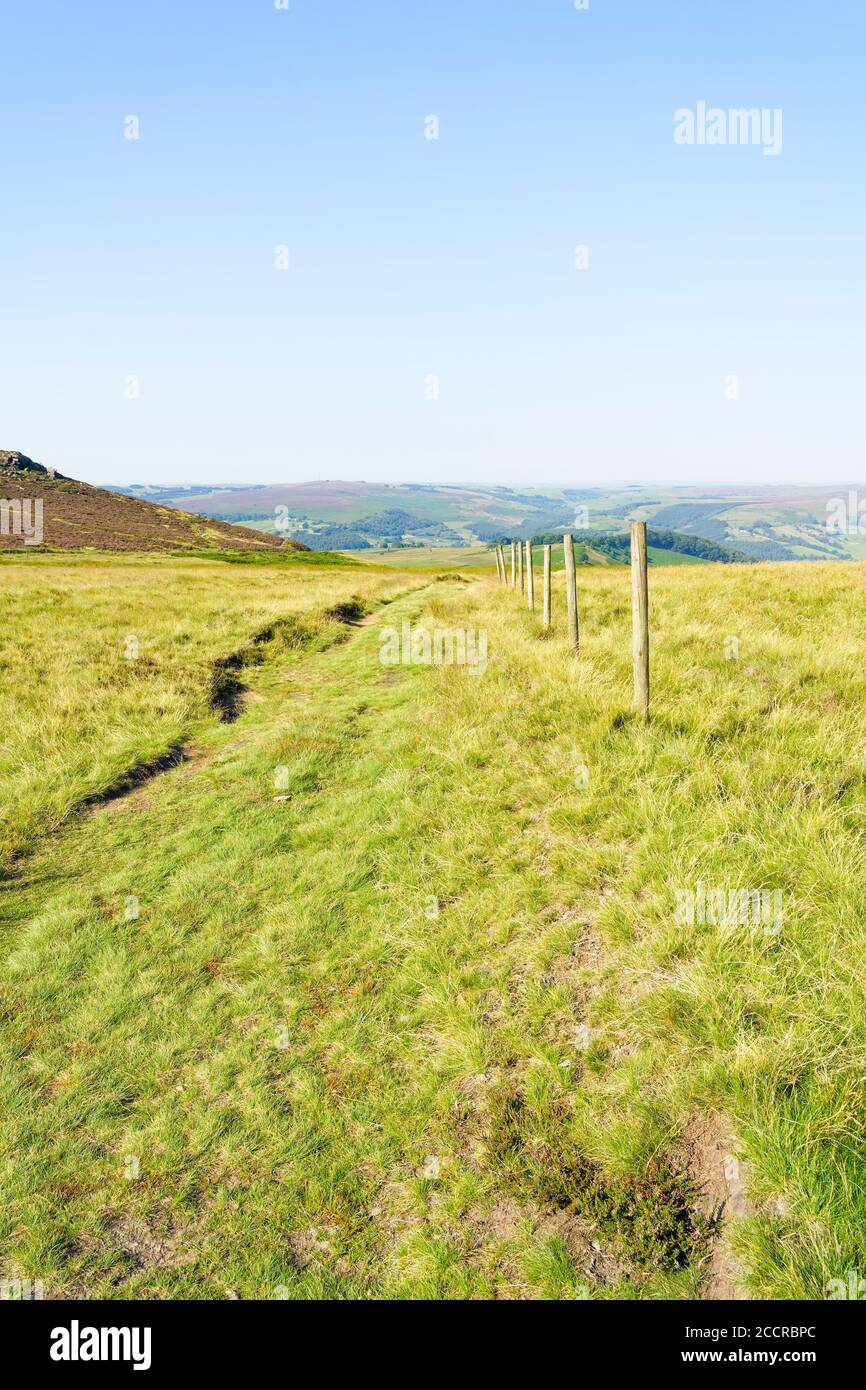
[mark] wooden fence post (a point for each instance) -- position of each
(545, 602)
(520, 566)
(640, 618)
(513, 565)
(571, 592)
(530, 577)
(502, 563)
(499, 575)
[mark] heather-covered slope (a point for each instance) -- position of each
(77, 516)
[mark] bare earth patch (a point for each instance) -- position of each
(708, 1153)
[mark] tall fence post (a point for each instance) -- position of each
(530, 577)
(502, 562)
(571, 592)
(640, 619)
(545, 601)
(513, 564)
(520, 566)
(499, 574)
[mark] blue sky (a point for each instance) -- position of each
(413, 259)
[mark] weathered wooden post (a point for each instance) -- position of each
(501, 549)
(571, 592)
(499, 574)
(513, 564)
(545, 601)
(530, 577)
(520, 566)
(640, 619)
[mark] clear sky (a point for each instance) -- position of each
(412, 258)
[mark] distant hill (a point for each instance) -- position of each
(40, 508)
(758, 523)
(616, 546)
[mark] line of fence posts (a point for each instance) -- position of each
(639, 599)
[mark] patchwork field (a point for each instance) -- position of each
(760, 523)
(379, 980)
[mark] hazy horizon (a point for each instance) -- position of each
(518, 485)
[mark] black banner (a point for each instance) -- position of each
(84, 1339)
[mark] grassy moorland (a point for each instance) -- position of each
(481, 557)
(108, 662)
(404, 1005)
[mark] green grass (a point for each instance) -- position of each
(430, 1026)
(450, 557)
(657, 556)
(431, 558)
(108, 662)
(435, 558)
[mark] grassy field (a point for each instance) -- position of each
(482, 557)
(109, 663)
(432, 558)
(457, 558)
(386, 990)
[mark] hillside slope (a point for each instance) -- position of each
(77, 516)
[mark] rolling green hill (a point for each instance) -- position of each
(759, 523)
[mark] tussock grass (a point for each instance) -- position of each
(306, 1037)
(78, 710)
